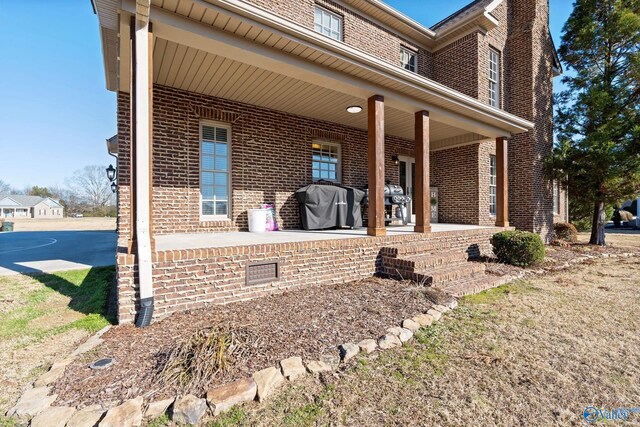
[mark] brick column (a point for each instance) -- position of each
(423, 192)
(375, 113)
(502, 186)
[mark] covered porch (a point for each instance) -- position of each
(224, 64)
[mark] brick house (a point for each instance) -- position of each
(227, 104)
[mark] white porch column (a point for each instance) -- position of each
(141, 98)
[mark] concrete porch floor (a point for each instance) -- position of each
(241, 238)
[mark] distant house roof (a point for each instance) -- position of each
(20, 201)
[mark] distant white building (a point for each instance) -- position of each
(18, 206)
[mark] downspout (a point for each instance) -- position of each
(143, 139)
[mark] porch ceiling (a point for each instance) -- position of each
(198, 71)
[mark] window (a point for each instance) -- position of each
(325, 157)
(215, 185)
(556, 198)
(492, 185)
(328, 23)
(408, 59)
(494, 78)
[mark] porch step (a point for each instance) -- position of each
(423, 261)
(442, 275)
(415, 248)
(473, 285)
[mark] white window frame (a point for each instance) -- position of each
(406, 65)
(204, 217)
(494, 77)
(493, 185)
(324, 26)
(556, 198)
(338, 163)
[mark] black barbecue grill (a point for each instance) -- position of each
(393, 196)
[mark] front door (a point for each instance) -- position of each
(407, 170)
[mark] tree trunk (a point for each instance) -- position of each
(597, 226)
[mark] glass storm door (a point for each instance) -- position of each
(407, 170)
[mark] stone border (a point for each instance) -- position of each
(36, 401)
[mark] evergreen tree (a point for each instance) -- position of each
(597, 155)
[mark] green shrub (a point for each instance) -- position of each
(565, 231)
(519, 248)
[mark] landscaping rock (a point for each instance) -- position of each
(292, 368)
(158, 408)
(453, 304)
(53, 416)
(368, 346)
(50, 376)
(332, 359)
(395, 330)
(441, 308)
(389, 341)
(223, 398)
(435, 314)
(88, 345)
(402, 333)
(348, 351)
(86, 417)
(423, 319)
(129, 414)
(267, 380)
(410, 324)
(317, 366)
(405, 335)
(32, 402)
(188, 409)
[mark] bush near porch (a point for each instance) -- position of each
(519, 248)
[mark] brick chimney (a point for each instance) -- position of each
(529, 79)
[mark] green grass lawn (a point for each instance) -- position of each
(41, 295)
(43, 317)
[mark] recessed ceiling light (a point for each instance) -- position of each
(353, 109)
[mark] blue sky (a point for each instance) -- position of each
(55, 112)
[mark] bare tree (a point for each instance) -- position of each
(5, 188)
(91, 187)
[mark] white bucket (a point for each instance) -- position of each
(401, 212)
(257, 220)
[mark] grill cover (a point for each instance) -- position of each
(329, 206)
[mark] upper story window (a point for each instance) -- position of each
(215, 185)
(493, 178)
(408, 59)
(325, 157)
(494, 78)
(328, 23)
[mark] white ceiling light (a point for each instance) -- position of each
(354, 109)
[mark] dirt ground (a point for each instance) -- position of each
(63, 224)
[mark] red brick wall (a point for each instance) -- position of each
(190, 279)
(359, 31)
(456, 65)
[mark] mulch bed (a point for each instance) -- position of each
(556, 257)
(307, 322)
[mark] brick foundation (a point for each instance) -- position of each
(190, 279)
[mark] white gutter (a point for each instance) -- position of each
(143, 172)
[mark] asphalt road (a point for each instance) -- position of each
(47, 251)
